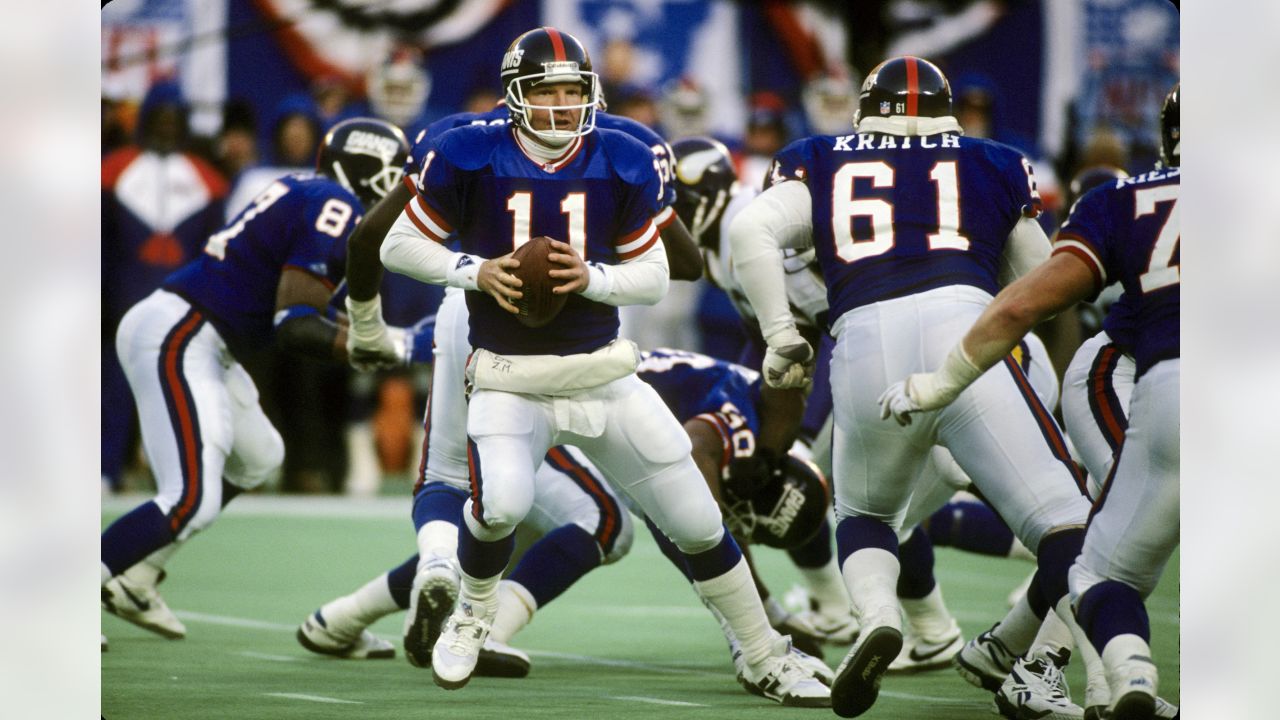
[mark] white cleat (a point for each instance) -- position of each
(456, 652)
(315, 635)
(501, 660)
(785, 679)
(435, 590)
(1037, 690)
(1133, 678)
(985, 661)
(857, 683)
(142, 606)
(920, 654)
(838, 629)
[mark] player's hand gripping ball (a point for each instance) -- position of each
(539, 305)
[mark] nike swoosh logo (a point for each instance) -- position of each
(917, 656)
(142, 603)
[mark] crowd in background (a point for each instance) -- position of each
(166, 188)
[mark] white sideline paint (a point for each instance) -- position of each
(313, 698)
(653, 701)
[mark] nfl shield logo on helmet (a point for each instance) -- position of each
(884, 107)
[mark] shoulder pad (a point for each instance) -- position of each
(635, 129)
(470, 146)
(632, 159)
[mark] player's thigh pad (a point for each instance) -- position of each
(508, 436)
(1096, 392)
(1135, 530)
(257, 450)
(568, 489)
(444, 423)
(174, 365)
(1010, 446)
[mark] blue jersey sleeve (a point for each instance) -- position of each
(642, 195)
(320, 237)
(437, 205)
(1019, 179)
(663, 157)
(1085, 233)
(790, 163)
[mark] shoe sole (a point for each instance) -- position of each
(157, 629)
(435, 602)
(500, 665)
(976, 677)
(344, 653)
(858, 684)
(1134, 706)
(936, 662)
(1008, 710)
(449, 684)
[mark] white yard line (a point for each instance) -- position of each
(653, 701)
(232, 621)
(266, 656)
(313, 698)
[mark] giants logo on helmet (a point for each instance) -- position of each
(511, 60)
(367, 143)
(785, 511)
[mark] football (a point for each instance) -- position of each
(539, 305)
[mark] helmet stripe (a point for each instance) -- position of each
(913, 86)
(557, 44)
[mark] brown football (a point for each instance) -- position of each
(539, 305)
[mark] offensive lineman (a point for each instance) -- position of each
(570, 381)
(911, 223)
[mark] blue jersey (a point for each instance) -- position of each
(662, 154)
(601, 197)
(1119, 323)
(899, 215)
(692, 384)
(297, 222)
(1128, 231)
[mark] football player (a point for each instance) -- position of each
(266, 276)
(571, 380)
(1127, 231)
(910, 222)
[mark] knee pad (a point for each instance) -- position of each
(692, 524)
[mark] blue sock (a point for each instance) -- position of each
(1054, 557)
(970, 526)
(915, 579)
(716, 561)
(400, 581)
(816, 551)
(481, 559)
(134, 536)
(437, 501)
(669, 549)
(555, 562)
(1112, 608)
(1035, 597)
(855, 533)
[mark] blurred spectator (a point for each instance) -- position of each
(333, 101)
(398, 88)
(117, 124)
(682, 110)
(237, 145)
(829, 104)
(1104, 147)
(615, 67)
(295, 135)
(635, 102)
(160, 202)
(766, 135)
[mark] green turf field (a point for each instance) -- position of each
(629, 641)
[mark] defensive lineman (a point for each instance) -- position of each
(911, 223)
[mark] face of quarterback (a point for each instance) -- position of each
(555, 95)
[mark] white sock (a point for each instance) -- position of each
(516, 607)
(1018, 629)
(826, 587)
(734, 595)
(482, 593)
(928, 616)
(1053, 634)
(1018, 551)
(1096, 690)
(350, 614)
(147, 571)
(871, 577)
(437, 539)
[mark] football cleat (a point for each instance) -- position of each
(435, 590)
(920, 654)
(1132, 676)
(839, 629)
(315, 635)
(456, 652)
(142, 606)
(501, 660)
(783, 678)
(1037, 690)
(857, 682)
(1165, 710)
(985, 661)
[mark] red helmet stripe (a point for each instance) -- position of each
(557, 44)
(913, 86)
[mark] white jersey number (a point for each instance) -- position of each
(520, 205)
(845, 207)
(1161, 272)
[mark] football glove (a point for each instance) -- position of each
(922, 392)
(789, 361)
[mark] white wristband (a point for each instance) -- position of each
(463, 271)
(598, 283)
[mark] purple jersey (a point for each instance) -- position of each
(297, 222)
(692, 384)
(662, 154)
(898, 215)
(1129, 232)
(601, 197)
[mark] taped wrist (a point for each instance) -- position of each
(365, 317)
(599, 283)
